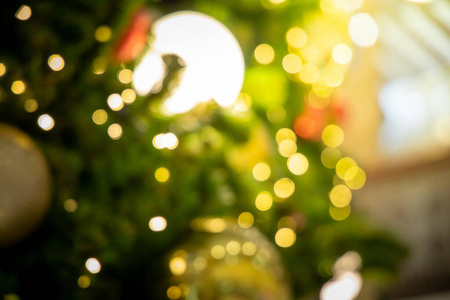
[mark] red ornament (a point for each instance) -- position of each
(133, 40)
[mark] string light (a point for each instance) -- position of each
(115, 102)
(100, 116)
(249, 248)
(56, 62)
(125, 76)
(332, 136)
(287, 147)
(233, 248)
(174, 292)
(128, 96)
(298, 164)
(46, 122)
(264, 54)
(93, 265)
(330, 157)
(31, 105)
(2, 69)
(340, 196)
(355, 178)
(99, 65)
(292, 63)
(363, 29)
(162, 174)
(285, 237)
(115, 131)
(296, 37)
(177, 265)
(263, 201)
(246, 220)
(285, 134)
(70, 205)
(218, 251)
(103, 33)
(342, 54)
(165, 140)
(18, 87)
(261, 171)
(157, 223)
(340, 214)
(343, 165)
(284, 188)
(84, 282)
(23, 13)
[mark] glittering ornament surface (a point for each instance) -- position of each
(24, 185)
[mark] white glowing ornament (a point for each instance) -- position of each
(214, 61)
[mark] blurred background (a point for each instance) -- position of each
(248, 149)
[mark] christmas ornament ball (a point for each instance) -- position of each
(24, 185)
(224, 261)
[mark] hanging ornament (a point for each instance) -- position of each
(133, 40)
(24, 185)
(212, 59)
(227, 261)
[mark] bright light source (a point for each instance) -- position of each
(363, 30)
(213, 58)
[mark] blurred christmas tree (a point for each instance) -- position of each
(149, 203)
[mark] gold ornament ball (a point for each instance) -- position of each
(24, 185)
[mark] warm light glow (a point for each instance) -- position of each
(330, 157)
(218, 251)
(162, 174)
(165, 140)
(70, 205)
(84, 282)
(342, 54)
(103, 33)
(125, 76)
(99, 116)
(157, 223)
(213, 58)
(284, 188)
(46, 122)
(346, 286)
(350, 261)
(292, 63)
(285, 237)
(249, 248)
(340, 196)
(115, 131)
(333, 136)
(233, 248)
(115, 102)
(287, 147)
(128, 96)
(363, 30)
(177, 266)
(261, 171)
(174, 292)
(99, 65)
(263, 201)
(319, 101)
(56, 62)
(246, 220)
(285, 134)
(31, 105)
(309, 73)
(296, 37)
(214, 225)
(348, 5)
(2, 69)
(18, 87)
(343, 165)
(355, 178)
(23, 13)
(264, 54)
(340, 214)
(200, 263)
(93, 265)
(298, 164)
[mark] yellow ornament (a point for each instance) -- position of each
(230, 263)
(24, 185)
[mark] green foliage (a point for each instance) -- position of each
(113, 180)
